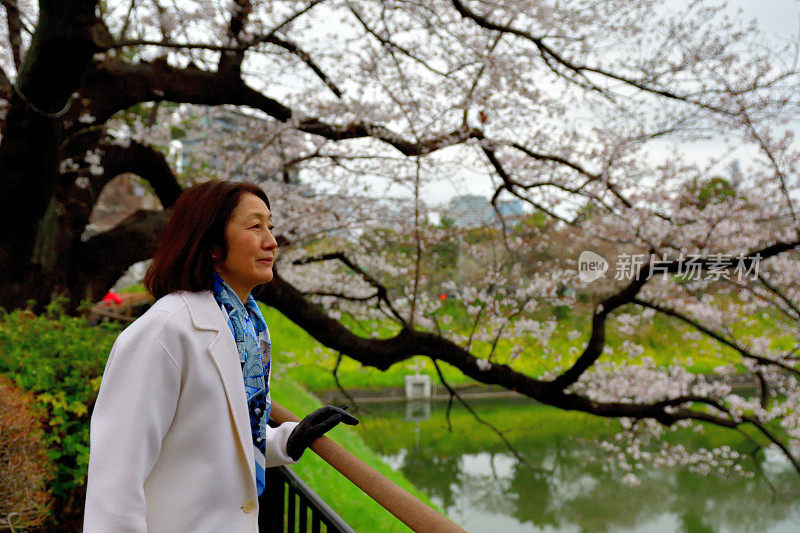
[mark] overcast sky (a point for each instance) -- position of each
(775, 17)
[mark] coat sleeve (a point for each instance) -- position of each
(135, 406)
(276, 445)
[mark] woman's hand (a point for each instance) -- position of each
(315, 425)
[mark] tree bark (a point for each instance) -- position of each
(61, 49)
(99, 262)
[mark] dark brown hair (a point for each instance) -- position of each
(183, 260)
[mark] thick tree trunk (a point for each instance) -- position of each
(31, 253)
(98, 263)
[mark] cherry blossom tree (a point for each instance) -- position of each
(586, 111)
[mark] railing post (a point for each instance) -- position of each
(320, 511)
(271, 503)
(291, 512)
(402, 504)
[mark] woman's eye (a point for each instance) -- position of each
(257, 226)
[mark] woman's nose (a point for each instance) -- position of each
(270, 243)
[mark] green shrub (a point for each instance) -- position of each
(60, 359)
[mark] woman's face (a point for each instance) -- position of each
(251, 246)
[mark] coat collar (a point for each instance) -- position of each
(204, 310)
(206, 315)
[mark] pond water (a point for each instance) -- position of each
(563, 479)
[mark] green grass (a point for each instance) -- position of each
(311, 364)
(349, 502)
(662, 340)
(133, 288)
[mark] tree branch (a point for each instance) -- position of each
(335, 373)
(343, 296)
(115, 85)
(304, 56)
(14, 25)
(391, 44)
(147, 163)
(382, 294)
(594, 347)
(548, 55)
(382, 353)
(476, 416)
(100, 261)
(285, 22)
(125, 43)
(785, 299)
(231, 61)
(716, 336)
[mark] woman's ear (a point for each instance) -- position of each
(216, 254)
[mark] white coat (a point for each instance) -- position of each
(170, 442)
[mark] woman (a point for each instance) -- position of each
(179, 438)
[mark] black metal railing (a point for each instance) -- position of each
(279, 510)
(290, 506)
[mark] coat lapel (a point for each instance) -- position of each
(206, 315)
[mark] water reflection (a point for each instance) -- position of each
(569, 483)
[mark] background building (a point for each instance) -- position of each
(471, 210)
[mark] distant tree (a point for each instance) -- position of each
(716, 190)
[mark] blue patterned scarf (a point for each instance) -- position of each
(253, 343)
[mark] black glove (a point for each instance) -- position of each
(315, 425)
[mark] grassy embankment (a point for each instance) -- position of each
(664, 340)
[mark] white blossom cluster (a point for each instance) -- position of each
(634, 453)
(609, 381)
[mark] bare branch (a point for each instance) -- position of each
(549, 56)
(126, 22)
(510, 185)
(417, 246)
(285, 22)
(785, 299)
(306, 58)
(335, 373)
(343, 296)
(476, 416)
(388, 43)
(170, 44)
(776, 441)
(382, 294)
